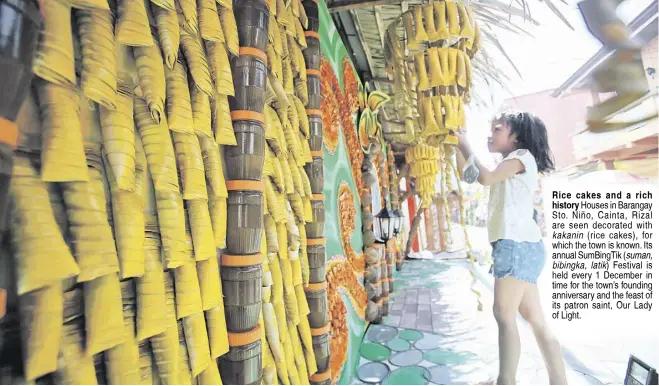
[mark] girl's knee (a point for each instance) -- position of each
(504, 314)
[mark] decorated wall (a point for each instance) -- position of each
(345, 266)
(350, 129)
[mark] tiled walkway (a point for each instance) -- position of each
(434, 333)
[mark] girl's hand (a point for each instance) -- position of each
(463, 143)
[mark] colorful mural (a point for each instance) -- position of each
(343, 182)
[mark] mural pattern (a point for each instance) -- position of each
(343, 159)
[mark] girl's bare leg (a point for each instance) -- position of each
(531, 311)
(508, 294)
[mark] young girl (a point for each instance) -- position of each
(517, 247)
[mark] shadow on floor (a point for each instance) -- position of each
(434, 334)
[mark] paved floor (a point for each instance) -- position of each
(602, 346)
(435, 334)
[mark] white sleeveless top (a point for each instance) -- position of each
(510, 209)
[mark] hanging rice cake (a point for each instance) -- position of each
(53, 60)
(169, 34)
(62, 150)
(179, 106)
(151, 76)
(41, 314)
(93, 242)
(104, 321)
(99, 67)
(41, 256)
(133, 24)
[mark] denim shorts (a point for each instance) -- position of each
(522, 260)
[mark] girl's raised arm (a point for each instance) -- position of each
(488, 177)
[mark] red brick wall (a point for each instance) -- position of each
(650, 60)
(562, 116)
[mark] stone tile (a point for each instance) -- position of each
(425, 318)
(424, 299)
(410, 308)
(412, 296)
(408, 320)
(424, 307)
(393, 320)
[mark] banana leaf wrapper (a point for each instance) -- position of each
(293, 373)
(93, 241)
(278, 175)
(290, 299)
(54, 59)
(62, 150)
(203, 239)
(41, 257)
(268, 172)
(275, 212)
(41, 314)
(166, 4)
(222, 125)
(228, 21)
(99, 64)
(151, 295)
(146, 365)
(179, 105)
(191, 166)
(104, 321)
(122, 361)
(195, 56)
(268, 362)
(218, 62)
(295, 175)
(273, 32)
(300, 361)
(209, 21)
(166, 345)
(307, 158)
(225, 4)
(151, 76)
(217, 331)
(188, 293)
(210, 376)
(169, 34)
(304, 329)
(304, 256)
(271, 331)
(213, 167)
(171, 220)
(74, 367)
(303, 117)
(288, 177)
(218, 212)
(157, 142)
(118, 131)
(133, 24)
(272, 129)
(185, 371)
(196, 339)
(270, 234)
(90, 4)
(187, 16)
(201, 113)
(128, 216)
(208, 272)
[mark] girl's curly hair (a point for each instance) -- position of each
(531, 134)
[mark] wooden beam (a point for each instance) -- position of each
(367, 51)
(383, 80)
(347, 5)
(380, 23)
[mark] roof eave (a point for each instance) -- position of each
(636, 26)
